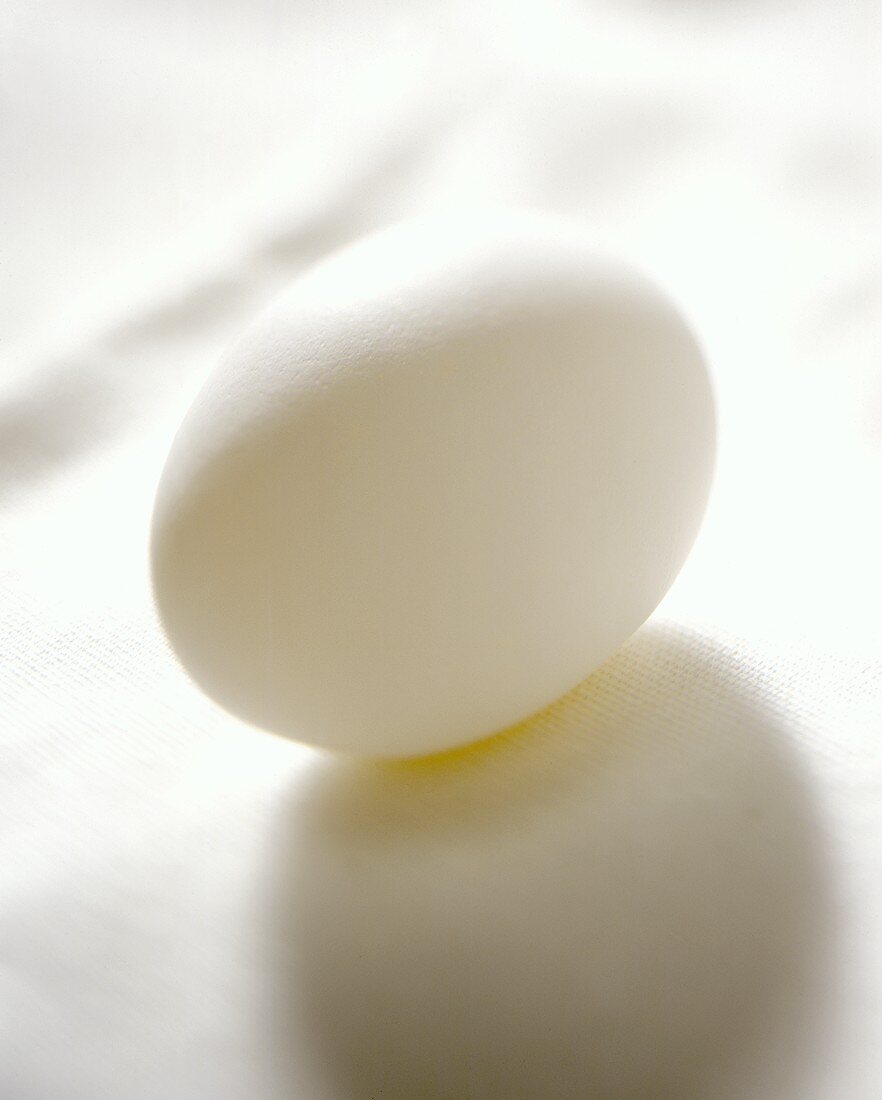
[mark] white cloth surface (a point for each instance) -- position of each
(671, 885)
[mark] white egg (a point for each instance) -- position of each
(433, 488)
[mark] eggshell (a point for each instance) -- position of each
(433, 487)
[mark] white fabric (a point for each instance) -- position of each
(672, 885)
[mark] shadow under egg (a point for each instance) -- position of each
(621, 897)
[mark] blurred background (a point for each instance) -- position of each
(191, 909)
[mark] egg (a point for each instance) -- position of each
(433, 487)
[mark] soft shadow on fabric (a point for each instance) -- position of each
(621, 897)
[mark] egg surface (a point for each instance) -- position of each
(433, 487)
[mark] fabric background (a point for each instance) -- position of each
(671, 883)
